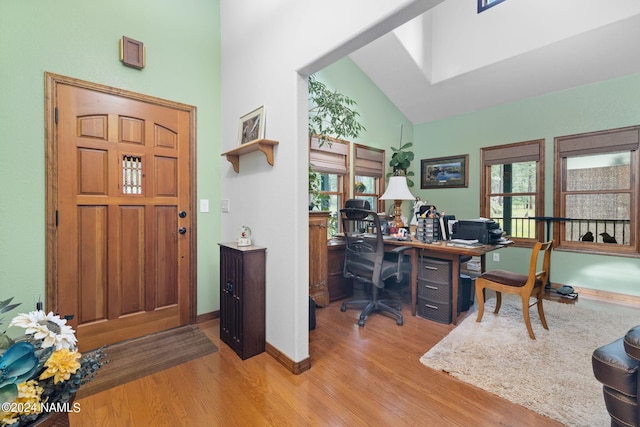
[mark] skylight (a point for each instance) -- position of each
(486, 4)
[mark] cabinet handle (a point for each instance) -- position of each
(431, 287)
(229, 286)
(431, 306)
(431, 268)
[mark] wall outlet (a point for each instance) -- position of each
(496, 257)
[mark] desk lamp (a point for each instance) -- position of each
(397, 190)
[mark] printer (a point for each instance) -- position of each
(485, 231)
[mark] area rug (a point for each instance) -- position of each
(551, 375)
(134, 359)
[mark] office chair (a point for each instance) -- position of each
(525, 285)
(365, 259)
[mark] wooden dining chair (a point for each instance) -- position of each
(527, 286)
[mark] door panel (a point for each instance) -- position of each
(120, 253)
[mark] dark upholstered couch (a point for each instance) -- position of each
(615, 365)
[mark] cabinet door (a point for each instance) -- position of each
(230, 298)
(318, 283)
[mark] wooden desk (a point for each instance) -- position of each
(441, 250)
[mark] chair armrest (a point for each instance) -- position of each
(400, 252)
(400, 249)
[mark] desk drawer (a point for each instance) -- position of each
(434, 291)
(434, 270)
(436, 311)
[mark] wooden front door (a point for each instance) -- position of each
(122, 232)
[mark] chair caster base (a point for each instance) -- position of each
(361, 322)
(343, 307)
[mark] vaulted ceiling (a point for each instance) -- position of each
(452, 60)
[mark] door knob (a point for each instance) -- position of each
(182, 230)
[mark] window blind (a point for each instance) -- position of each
(331, 157)
(512, 153)
(369, 162)
(601, 142)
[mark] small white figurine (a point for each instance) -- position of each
(245, 236)
(416, 211)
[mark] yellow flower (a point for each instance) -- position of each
(28, 401)
(61, 364)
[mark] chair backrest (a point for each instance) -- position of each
(364, 248)
(543, 273)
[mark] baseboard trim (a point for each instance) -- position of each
(607, 296)
(200, 318)
(295, 368)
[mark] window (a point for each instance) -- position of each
(513, 189)
(597, 191)
(330, 163)
(486, 4)
(369, 175)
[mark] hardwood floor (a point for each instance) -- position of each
(368, 376)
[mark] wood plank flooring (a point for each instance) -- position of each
(368, 376)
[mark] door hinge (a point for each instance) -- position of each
(55, 115)
(56, 218)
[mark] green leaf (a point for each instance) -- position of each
(8, 393)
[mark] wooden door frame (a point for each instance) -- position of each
(51, 150)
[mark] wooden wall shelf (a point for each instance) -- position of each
(264, 145)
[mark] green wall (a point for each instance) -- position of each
(605, 105)
(80, 39)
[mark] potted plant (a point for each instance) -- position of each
(401, 160)
(331, 114)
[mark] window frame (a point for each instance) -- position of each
(509, 154)
(343, 179)
(599, 142)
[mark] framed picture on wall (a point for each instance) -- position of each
(251, 126)
(444, 172)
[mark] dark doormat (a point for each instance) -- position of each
(137, 358)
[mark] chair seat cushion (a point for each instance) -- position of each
(615, 369)
(507, 278)
(362, 269)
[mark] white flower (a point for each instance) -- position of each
(49, 328)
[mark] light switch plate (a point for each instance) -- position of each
(225, 205)
(204, 205)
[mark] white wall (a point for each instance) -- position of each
(464, 41)
(265, 45)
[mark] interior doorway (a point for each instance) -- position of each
(121, 217)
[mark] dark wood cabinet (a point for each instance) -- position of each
(318, 283)
(339, 286)
(242, 298)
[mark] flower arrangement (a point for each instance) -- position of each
(42, 368)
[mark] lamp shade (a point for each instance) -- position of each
(397, 189)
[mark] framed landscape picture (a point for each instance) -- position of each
(251, 126)
(445, 172)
